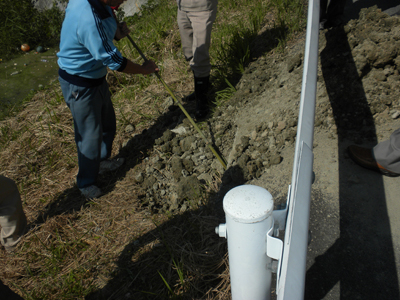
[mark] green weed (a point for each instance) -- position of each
(290, 19)
(182, 283)
(225, 94)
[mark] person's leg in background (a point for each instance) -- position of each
(387, 153)
(195, 29)
(331, 13)
(12, 217)
(384, 158)
(202, 23)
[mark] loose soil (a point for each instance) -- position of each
(164, 204)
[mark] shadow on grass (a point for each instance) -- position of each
(7, 294)
(185, 251)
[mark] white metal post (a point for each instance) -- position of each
(249, 228)
(248, 210)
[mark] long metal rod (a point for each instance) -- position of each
(181, 107)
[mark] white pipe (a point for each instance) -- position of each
(248, 210)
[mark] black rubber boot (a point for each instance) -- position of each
(201, 88)
(191, 97)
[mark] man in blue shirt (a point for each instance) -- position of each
(86, 50)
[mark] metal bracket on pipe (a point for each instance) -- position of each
(274, 247)
(280, 215)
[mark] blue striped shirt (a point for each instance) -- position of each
(86, 45)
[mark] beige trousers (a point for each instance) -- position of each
(12, 217)
(195, 29)
(387, 153)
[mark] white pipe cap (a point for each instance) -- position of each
(248, 204)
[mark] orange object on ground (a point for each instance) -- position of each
(25, 47)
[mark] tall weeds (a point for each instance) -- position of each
(235, 30)
(21, 23)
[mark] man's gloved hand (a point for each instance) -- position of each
(149, 67)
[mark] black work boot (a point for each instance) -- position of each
(201, 88)
(191, 97)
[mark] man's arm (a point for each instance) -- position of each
(122, 31)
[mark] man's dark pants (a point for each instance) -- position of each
(95, 127)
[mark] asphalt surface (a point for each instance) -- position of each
(355, 216)
(352, 9)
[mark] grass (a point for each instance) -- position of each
(114, 248)
(22, 23)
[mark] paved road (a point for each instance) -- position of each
(355, 215)
(353, 7)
